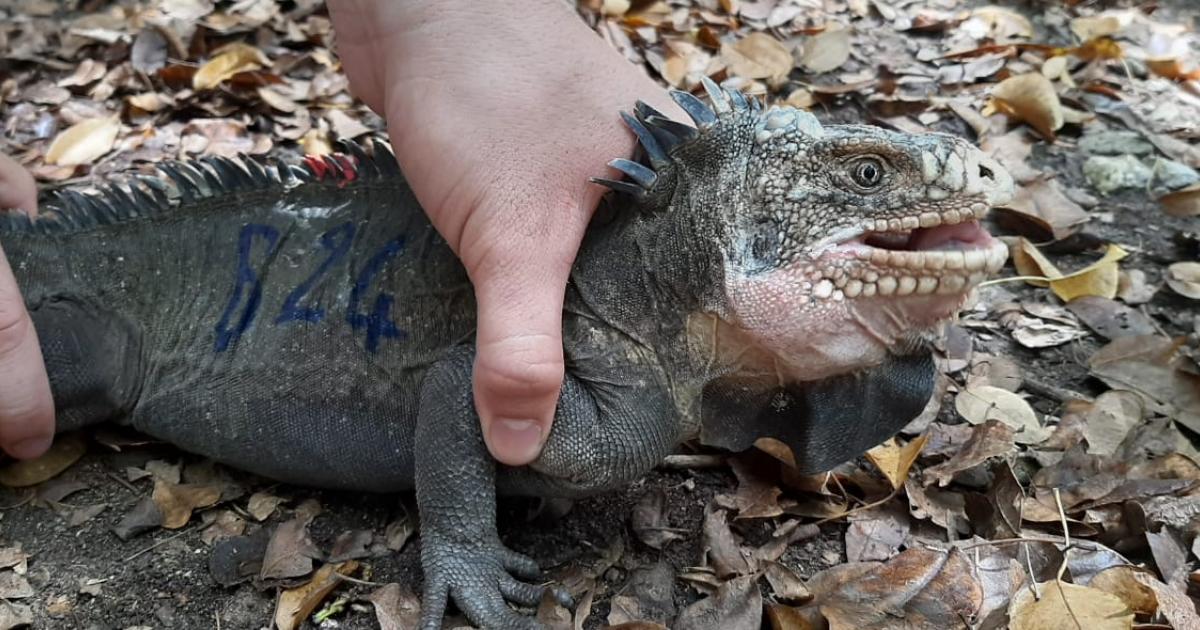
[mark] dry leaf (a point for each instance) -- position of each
(229, 60)
(1109, 420)
(1065, 605)
(296, 604)
(1184, 202)
(758, 56)
(1184, 279)
(177, 501)
(981, 403)
(1098, 279)
(290, 551)
(894, 461)
(345, 127)
(262, 504)
(1002, 24)
(1044, 201)
(1030, 98)
(395, 607)
(66, 450)
(84, 142)
(1120, 581)
(826, 51)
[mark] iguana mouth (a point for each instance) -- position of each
(942, 253)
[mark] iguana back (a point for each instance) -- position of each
(306, 298)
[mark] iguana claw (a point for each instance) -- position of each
(480, 578)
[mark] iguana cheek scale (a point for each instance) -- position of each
(758, 275)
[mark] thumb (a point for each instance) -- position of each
(26, 408)
(519, 354)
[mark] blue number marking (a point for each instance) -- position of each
(246, 277)
(337, 241)
(378, 323)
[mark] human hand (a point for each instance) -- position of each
(498, 117)
(26, 408)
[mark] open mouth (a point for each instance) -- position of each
(945, 253)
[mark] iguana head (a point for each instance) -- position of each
(828, 246)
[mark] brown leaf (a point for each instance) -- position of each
(1110, 319)
(1184, 202)
(926, 588)
(395, 607)
(736, 606)
(1120, 582)
(228, 61)
(1065, 605)
(1044, 201)
(66, 450)
(649, 521)
(345, 127)
(88, 71)
(1109, 420)
(1099, 278)
(84, 142)
(877, 533)
(1030, 98)
(757, 495)
(723, 549)
(1173, 603)
(262, 505)
(990, 439)
(296, 604)
(786, 585)
(826, 51)
(177, 501)
(1184, 279)
(1147, 364)
(290, 551)
(758, 56)
(149, 51)
(13, 586)
(398, 532)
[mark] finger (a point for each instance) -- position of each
(17, 190)
(26, 407)
(519, 354)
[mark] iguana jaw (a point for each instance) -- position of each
(844, 306)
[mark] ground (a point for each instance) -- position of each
(1108, 377)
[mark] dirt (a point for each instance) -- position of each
(161, 579)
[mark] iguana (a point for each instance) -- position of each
(754, 275)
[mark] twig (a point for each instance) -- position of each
(359, 581)
(692, 462)
(1052, 392)
(157, 545)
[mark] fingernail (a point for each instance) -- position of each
(30, 448)
(516, 441)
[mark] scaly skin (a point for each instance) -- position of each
(758, 276)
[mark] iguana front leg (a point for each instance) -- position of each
(599, 439)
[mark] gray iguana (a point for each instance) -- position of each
(754, 275)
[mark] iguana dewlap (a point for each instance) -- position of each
(758, 275)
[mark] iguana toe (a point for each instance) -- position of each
(479, 577)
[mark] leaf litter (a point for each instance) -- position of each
(1071, 397)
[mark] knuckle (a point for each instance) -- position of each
(532, 372)
(16, 329)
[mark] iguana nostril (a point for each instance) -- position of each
(986, 172)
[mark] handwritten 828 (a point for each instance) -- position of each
(375, 322)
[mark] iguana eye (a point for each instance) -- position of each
(867, 172)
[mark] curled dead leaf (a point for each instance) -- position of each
(981, 403)
(1184, 279)
(84, 142)
(1030, 98)
(894, 461)
(228, 61)
(1184, 202)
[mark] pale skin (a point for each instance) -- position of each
(498, 117)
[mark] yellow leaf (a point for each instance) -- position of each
(229, 60)
(1099, 278)
(894, 461)
(1065, 605)
(1030, 98)
(84, 142)
(296, 604)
